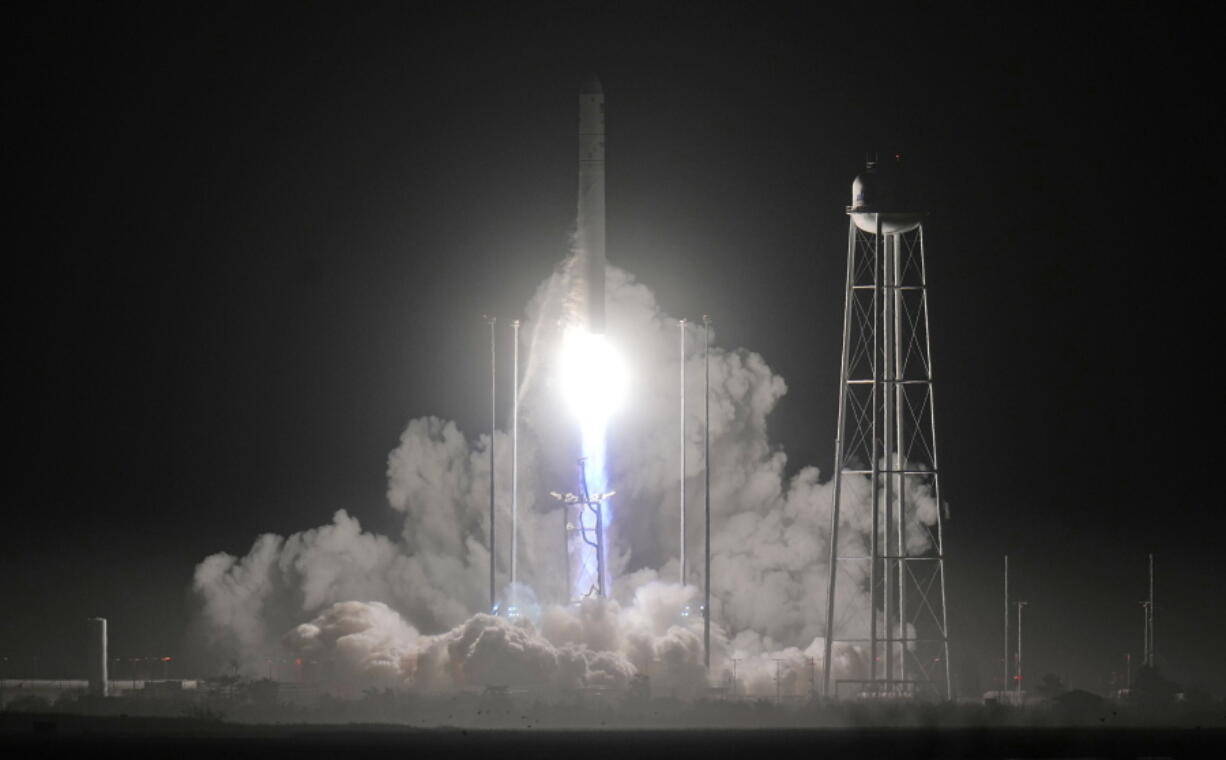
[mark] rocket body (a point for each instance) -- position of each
(589, 229)
(590, 372)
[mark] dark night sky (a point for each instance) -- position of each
(256, 240)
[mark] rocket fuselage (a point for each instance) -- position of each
(589, 228)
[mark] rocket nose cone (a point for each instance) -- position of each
(591, 86)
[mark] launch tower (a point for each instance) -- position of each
(583, 519)
(886, 440)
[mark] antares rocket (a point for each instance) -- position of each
(589, 229)
(591, 376)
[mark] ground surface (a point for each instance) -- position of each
(40, 735)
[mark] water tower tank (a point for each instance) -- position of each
(881, 194)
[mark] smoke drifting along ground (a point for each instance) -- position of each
(410, 610)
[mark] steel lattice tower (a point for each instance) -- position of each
(886, 456)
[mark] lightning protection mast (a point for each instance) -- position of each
(886, 456)
(681, 553)
(493, 323)
(1149, 619)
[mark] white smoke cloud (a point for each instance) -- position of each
(422, 594)
(593, 644)
(369, 638)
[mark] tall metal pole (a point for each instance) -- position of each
(1004, 684)
(875, 544)
(899, 460)
(1020, 606)
(1149, 654)
(493, 426)
(838, 464)
(888, 388)
(681, 323)
(514, 452)
(936, 470)
(1145, 630)
(706, 607)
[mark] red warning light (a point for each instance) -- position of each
(297, 660)
(165, 659)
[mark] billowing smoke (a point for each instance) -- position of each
(410, 609)
(593, 644)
